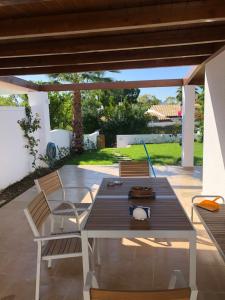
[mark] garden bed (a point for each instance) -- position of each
(19, 187)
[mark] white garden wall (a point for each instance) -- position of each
(130, 139)
(214, 127)
(61, 138)
(14, 160)
(90, 140)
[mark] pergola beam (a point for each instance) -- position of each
(105, 66)
(168, 14)
(111, 85)
(110, 56)
(197, 74)
(166, 38)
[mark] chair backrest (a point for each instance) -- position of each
(49, 183)
(174, 294)
(37, 212)
(134, 169)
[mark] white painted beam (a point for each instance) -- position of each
(188, 118)
(214, 127)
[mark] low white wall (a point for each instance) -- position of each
(130, 139)
(90, 140)
(61, 138)
(14, 159)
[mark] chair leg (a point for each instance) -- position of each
(52, 223)
(192, 217)
(38, 273)
(49, 263)
(97, 241)
(62, 223)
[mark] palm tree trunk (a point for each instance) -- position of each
(77, 141)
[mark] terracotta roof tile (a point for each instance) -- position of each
(164, 111)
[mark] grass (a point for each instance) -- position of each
(161, 154)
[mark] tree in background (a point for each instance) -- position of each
(149, 100)
(92, 110)
(199, 111)
(77, 142)
(14, 100)
(96, 105)
(124, 118)
(171, 100)
(179, 95)
(60, 110)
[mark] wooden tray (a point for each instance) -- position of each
(151, 196)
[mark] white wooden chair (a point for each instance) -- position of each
(92, 292)
(56, 246)
(134, 169)
(52, 183)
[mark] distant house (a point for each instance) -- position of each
(165, 114)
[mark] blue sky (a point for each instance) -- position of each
(142, 74)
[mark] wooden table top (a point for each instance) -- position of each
(214, 223)
(160, 185)
(113, 213)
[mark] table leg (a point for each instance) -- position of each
(192, 270)
(85, 254)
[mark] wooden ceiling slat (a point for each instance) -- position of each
(110, 56)
(105, 66)
(182, 13)
(47, 36)
(200, 35)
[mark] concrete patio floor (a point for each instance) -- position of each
(126, 264)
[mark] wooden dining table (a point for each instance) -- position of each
(110, 218)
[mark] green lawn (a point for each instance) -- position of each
(161, 154)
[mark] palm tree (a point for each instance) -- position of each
(179, 95)
(77, 123)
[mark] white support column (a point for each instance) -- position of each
(188, 119)
(214, 127)
(39, 103)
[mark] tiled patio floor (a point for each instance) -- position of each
(126, 264)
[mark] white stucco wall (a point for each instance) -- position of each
(61, 138)
(90, 140)
(214, 129)
(39, 103)
(14, 159)
(124, 140)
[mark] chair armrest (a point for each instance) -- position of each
(58, 236)
(71, 206)
(76, 187)
(64, 188)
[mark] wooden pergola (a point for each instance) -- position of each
(61, 36)
(56, 36)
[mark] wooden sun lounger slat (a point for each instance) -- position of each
(174, 294)
(214, 223)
